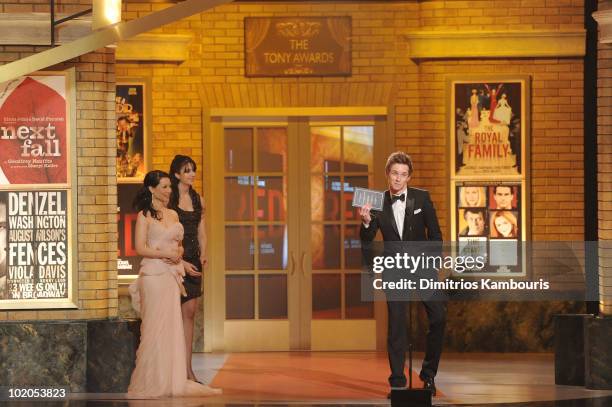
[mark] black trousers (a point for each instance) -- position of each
(397, 339)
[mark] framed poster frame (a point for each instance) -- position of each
(70, 302)
(126, 184)
(128, 261)
(140, 132)
(459, 116)
(514, 169)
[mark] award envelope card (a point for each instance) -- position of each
(363, 196)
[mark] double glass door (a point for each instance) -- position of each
(284, 246)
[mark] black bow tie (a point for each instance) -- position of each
(394, 198)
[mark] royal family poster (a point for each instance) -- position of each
(489, 122)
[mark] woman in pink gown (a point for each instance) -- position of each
(160, 360)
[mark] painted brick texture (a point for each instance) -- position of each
(380, 55)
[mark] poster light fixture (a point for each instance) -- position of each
(105, 13)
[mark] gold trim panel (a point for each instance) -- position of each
(154, 47)
(495, 44)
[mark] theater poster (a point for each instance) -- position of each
(132, 104)
(128, 261)
(37, 253)
(34, 131)
(488, 126)
(489, 222)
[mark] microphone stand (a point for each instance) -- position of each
(410, 397)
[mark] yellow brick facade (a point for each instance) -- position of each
(380, 55)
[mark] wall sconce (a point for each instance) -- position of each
(105, 13)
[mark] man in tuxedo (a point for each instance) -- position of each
(408, 215)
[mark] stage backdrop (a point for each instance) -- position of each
(37, 250)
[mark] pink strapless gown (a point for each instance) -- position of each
(161, 369)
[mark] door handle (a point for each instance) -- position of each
(292, 261)
(302, 263)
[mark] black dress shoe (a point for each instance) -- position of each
(429, 384)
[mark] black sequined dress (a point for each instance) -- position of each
(190, 221)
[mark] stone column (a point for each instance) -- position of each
(604, 154)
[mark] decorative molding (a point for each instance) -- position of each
(35, 29)
(345, 111)
(604, 20)
(297, 95)
(154, 47)
(495, 44)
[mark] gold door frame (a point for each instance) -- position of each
(297, 120)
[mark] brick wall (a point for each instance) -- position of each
(379, 55)
(42, 6)
(502, 15)
(96, 212)
(557, 202)
(557, 171)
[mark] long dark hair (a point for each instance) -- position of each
(144, 199)
(176, 166)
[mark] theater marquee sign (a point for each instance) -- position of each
(297, 46)
(37, 251)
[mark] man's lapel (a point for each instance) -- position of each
(388, 209)
(409, 211)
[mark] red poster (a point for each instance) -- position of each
(33, 131)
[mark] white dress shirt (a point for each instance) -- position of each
(399, 212)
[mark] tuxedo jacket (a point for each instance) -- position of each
(420, 221)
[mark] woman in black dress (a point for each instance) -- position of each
(188, 204)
